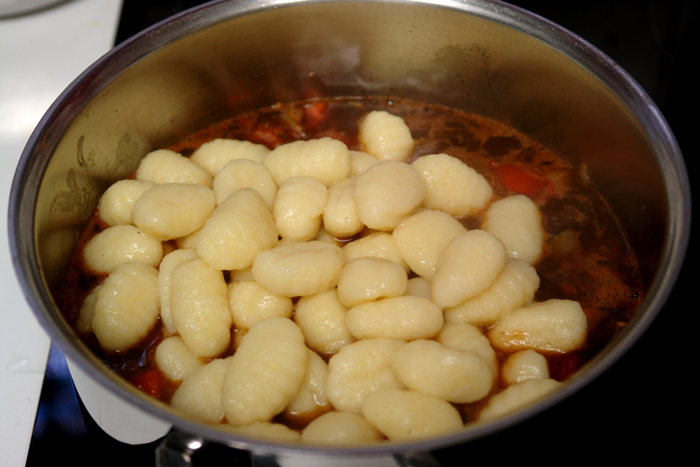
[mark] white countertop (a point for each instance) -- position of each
(40, 54)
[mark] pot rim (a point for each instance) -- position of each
(42, 142)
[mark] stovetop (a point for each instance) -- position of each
(622, 413)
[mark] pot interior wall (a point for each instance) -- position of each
(160, 88)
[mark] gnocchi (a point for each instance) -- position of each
(321, 318)
(422, 238)
(325, 159)
(359, 369)
(429, 367)
(517, 222)
(121, 244)
(199, 395)
(199, 307)
(265, 373)
(550, 326)
(340, 216)
(403, 415)
(298, 208)
(173, 210)
(117, 202)
(386, 136)
(299, 269)
(251, 303)
(467, 267)
(367, 279)
(126, 306)
(387, 193)
(451, 185)
(237, 230)
(516, 396)
(244, 173)
(514, 287)
(166, 166)
(334, 291)
(405, 317)
(175, 359)
(340, 429)
(214, 155)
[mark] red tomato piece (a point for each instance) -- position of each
(266, 136)
(150, 383)
(564, 366)
(522, 181)
(315, 113)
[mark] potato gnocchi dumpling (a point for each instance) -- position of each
(166, 166)
(238, 229)
(340, 429)
(126, 306)
(325, 159)
(175, 359)
(524, 365)
(514, 287)
(361, 161)
(550, 326)
(422, 237)
(340, 217)
(265, 373)
(214, 155)
(173, 210)
(199, 307)
(408, 416)
(321, 318)
(403, 317)
(244, 173)
(387, 193)
(451, 185)
(299, 269)
(367, 279)
(375, 245)
(121, 244)
(359, 369)
(467, 267)
(251, 303)
(199, 395)
(298, 208)
(517, 222)
(332, 291)
(468, 338)
(516, 396)
(117, 202)
(83, 323)
(311, 400)
(429, 367)
(386, 136)
(165, 270)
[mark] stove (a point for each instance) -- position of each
(622, 414)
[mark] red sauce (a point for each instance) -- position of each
(586, 256)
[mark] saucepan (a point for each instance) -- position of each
(227, 57)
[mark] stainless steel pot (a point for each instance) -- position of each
(226, 57)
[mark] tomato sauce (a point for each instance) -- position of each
(586, 256)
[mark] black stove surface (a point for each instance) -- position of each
(629, 413)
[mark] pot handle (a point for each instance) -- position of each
(416, 459)
(176, 449)
(400, 460)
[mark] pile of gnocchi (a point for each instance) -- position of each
(316, 294)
